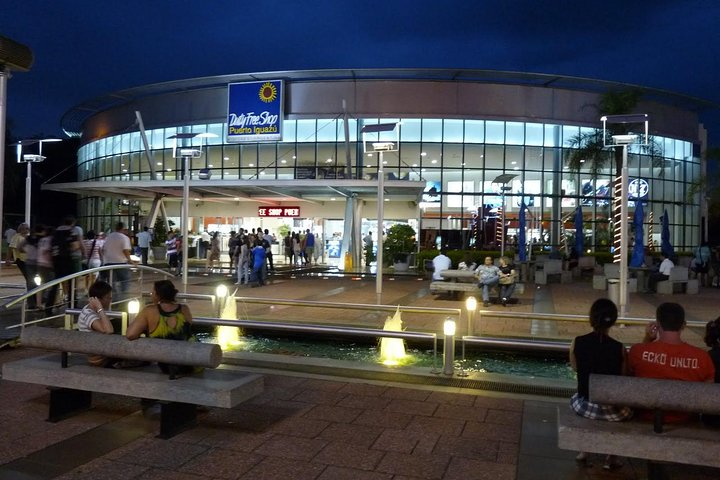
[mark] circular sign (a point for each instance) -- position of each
(638, 188)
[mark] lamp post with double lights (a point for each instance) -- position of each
(373, 143)
(624, 141)
(186, 153)
(29, 159)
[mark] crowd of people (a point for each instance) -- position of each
(46, 253)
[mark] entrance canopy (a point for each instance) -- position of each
(232, 191)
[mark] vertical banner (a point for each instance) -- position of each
(255, 111)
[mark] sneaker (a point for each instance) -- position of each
(504, 302)
(486, 304)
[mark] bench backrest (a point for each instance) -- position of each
(679, 273)
(552, 266)
(118, 346)
(650, 393)
(586, 262)
(611, 270)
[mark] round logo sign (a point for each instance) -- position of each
(638, 188)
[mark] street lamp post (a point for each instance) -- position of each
(372, 143)
(29, 159)
(186, 154)
(503, 180)
(624, 140)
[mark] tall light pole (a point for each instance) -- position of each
(186, 154)
(372, 143)
(624, 140)
(29, 159)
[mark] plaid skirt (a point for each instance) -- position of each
(595, 411)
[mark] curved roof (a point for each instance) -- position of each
(74, 118)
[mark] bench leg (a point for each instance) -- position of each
(66, 402)
(176, 417)
(656, 471)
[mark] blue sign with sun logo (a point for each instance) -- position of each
(255, 111)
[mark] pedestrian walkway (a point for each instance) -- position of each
(309, 426)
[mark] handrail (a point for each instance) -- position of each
(350, 306)
(315, 328)
(575, 318)
(84, 273)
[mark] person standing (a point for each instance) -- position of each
(243, 261)
(259, 265)
(143, 242)
(268, 241)
(488, 276)
(309, 246)
(597, 352)
(20, 255)
(65, 243)
(9, 234)
(214, 252)
(116, 251)
(172, 253)
(701, 263)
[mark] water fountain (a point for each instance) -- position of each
(228, 336)
(392, 350)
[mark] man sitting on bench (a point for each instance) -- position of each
(488, 276)
(664, 355)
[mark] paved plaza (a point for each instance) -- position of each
(315, 426)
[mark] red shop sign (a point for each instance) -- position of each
(278, 211)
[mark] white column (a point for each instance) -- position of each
(380, 220)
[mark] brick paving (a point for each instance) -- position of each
(312, 427)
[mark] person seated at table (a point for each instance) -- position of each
(467, 263)
(440, 262)
(164, 318)
(507, 280)
(597, 352)
(488, 276)
(662, 274)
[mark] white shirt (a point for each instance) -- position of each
(143, 239)
(113, 249)
(440, 263)
(666, 266)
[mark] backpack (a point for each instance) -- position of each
(62, 241)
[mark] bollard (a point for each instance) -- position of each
(449, 347)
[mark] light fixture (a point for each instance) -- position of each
(133, 307)
(423, 154)
(283, 161)
(434, 161)
(449, 327)
(251, 164)
(414, 165)
(221, 291)
(236, 198)
(37, 280)
(226, 158)
(159, 164)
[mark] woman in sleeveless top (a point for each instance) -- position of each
(164, 318)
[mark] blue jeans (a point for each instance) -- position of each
(486, 286)
(506, 291)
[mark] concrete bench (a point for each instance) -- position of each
(438, 287)
(679, 282)
(688, 443)
(72, 379)
(552, 268)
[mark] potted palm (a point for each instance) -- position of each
(399, 245)
(157, 244)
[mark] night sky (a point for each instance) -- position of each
(87, 48)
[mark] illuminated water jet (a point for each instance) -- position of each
(392, 350)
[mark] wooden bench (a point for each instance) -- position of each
(72, 379)
(688, 443)
(679, 282)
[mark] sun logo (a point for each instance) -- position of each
(268, 92)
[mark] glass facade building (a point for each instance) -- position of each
(466, 154)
